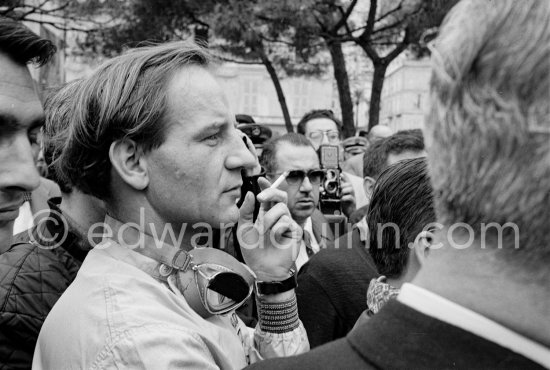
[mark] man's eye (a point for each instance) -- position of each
(34, 136)
(213, 137)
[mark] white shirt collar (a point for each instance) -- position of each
(440, 308)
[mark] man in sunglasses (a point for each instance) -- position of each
(152, 135)
(321, 127)
(294, 154)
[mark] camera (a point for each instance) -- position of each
(330, 201)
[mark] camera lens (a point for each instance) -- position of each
(331, 187)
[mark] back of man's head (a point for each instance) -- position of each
(125, 98)
(268, 159)
(376, 157)
(401, 206)
(22, 45)
(490, 132)
(58, 110)
(379, 132)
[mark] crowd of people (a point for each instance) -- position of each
(166, 232)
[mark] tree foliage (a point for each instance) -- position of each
(235, 30)
(289, 37)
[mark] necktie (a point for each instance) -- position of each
(307, 241)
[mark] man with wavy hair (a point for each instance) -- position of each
(153, 136)
(482, 298)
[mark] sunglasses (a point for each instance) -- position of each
(295, 177)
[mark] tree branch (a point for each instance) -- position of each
(60, 27)
(345, 15)
(370, 20)
(398, 49)
(226, 59)
(387, 27)
(391, 12)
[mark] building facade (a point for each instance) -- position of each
(250, 90)
(405, 94)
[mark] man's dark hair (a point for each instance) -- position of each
(269, 153)
(23, 45)
(376, 156)
(58, 111)
(402, 196)
(318, 113)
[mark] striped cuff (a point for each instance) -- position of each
(281, 317)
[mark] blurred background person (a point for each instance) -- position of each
(20, 114)
(45, 259)
(354, 164)
(257, 133)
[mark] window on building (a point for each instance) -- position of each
(250, 96)
(301, 96)
(418, 103)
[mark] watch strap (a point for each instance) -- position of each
(275, 287)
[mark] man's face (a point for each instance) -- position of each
(303, 197)
(195, 175)
(21, 117)
(324, 132)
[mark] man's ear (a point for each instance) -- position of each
(129, 162)
(422, 245)
(368, 185)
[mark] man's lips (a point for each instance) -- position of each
(234, 189)
(305, 202)
(10, 212)
(12, 206)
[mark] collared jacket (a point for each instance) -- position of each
(34, 272)
(123, 317)
(399, 337)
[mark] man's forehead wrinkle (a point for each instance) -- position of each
(17, 90)
(287, 157)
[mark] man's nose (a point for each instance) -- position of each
(240, 156)
(306, 186)
(18, 171)
(325, 140)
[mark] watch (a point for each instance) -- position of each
(275, 287)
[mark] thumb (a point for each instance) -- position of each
(246, 212)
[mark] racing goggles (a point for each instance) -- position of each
(221, 283)
(209, 279)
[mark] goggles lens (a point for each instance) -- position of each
(221, 291)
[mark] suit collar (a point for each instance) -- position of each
(399, 336)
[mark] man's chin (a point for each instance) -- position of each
(302, 214)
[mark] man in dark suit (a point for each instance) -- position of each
(294, 153)
(481, 299)
(332, 286)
